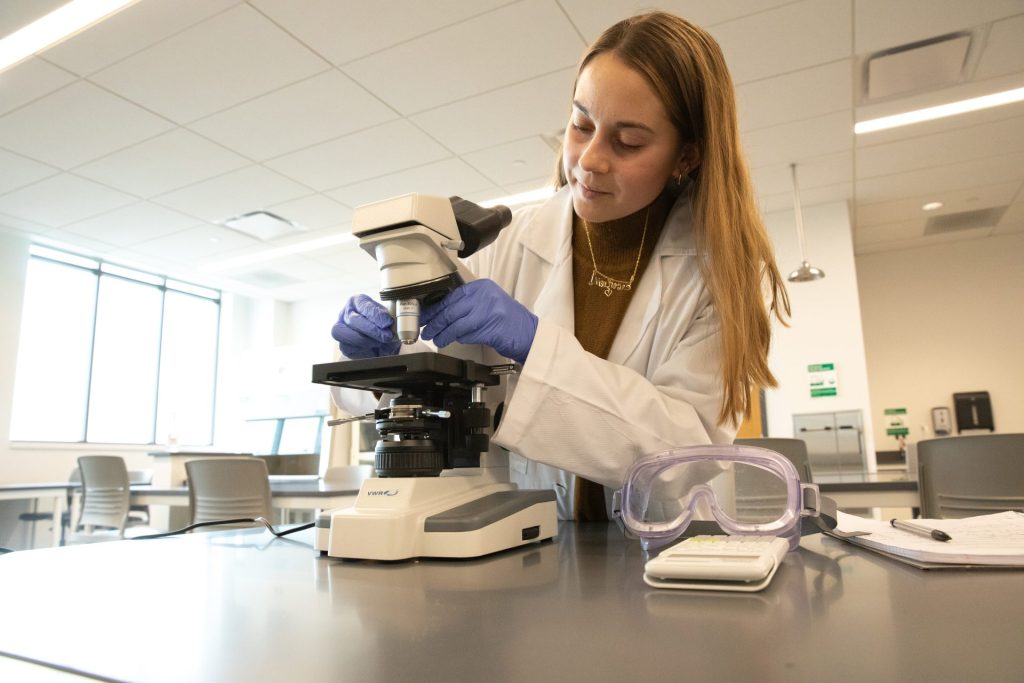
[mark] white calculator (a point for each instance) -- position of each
(730, 563)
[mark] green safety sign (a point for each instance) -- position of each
(822, 381)
(895, 422)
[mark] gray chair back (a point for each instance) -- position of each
(795, 451)
(964, 476)
(105, 492)
(228, 488)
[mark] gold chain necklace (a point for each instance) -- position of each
(610, 284)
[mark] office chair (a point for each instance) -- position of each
(794, 449)
(964, 476)
(105, 499)
(228, 488)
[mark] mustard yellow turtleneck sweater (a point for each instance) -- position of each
(616, 249)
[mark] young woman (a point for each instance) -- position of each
(639, 297)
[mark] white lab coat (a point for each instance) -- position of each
(660, 387)
(570, 411)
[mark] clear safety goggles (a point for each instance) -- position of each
(746, 490)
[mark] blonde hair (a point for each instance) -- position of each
(685, 67)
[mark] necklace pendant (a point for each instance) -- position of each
(607, 292)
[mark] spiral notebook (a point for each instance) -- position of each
(995, 540)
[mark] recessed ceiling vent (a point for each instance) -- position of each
(263, 225)
(918, 67)
(965, 220)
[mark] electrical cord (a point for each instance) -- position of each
(217, 522)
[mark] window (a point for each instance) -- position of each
(297, 435)
(113, 355)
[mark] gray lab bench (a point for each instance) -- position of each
(243, 606)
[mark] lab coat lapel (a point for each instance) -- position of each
(666, 264)
(547, 258)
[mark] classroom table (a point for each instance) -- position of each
(287, 493)
(245, 606)
(300, 493)
(882, 489)
(57, 491)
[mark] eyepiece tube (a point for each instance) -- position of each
(407, 319)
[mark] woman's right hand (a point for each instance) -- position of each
(364, 329)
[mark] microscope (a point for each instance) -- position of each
(442, 489)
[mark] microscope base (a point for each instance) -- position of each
(448, 516)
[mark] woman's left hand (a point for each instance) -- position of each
(481, 312)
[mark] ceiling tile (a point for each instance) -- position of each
(356, 272)
(79, 244)
(514, 162)
(1013, 219)
(225, 60)
(302, 268)
(951, 146)
(320, 108)
(800, 140)
(62, 199)
(880, 24)
(132, 224)
(471, 57)
(794, 96)
(247, 189)
(591, 18)
(815, 196)
(867, 246)
(343, 31)
(17, 171)
(314, 212)
(28, 81)
(198, 242)
(954, 201)
(443, 178)
(17, 14)
(949, 177)
(785, 39)
(161, 164)
(132, 29)
(73, 125)
(888, 232)
(22, 225)
(359, 156)
(818, 172)
(1004, 49)
(506, 114)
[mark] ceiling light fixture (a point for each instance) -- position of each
(50, 29)
(940, 111)
(931, 206)
(806, 272)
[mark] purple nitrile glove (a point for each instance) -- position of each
(364, 329)
(481, 312)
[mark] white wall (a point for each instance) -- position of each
(942, 319)
(825, 326)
